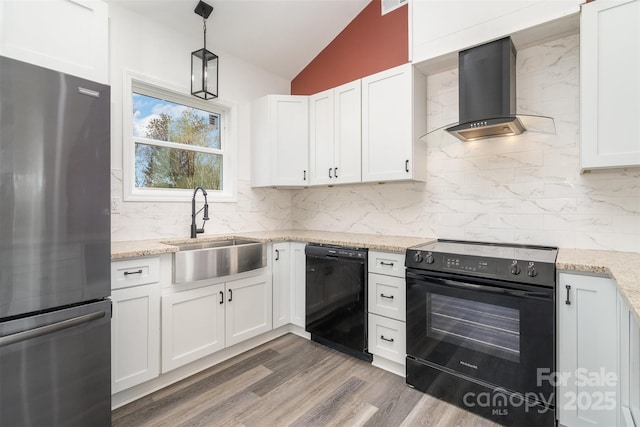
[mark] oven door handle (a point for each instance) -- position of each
(480, 288)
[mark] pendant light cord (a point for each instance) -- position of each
(204, 28)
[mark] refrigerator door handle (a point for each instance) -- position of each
(54, 327)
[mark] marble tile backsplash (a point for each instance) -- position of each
(525, 189)
(257, 209)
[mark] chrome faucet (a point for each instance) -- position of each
(194, 229)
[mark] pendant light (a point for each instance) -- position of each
(204, 64)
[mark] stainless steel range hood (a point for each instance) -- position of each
(487, 94)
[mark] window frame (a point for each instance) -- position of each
(145, 85)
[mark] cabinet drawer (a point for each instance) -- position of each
(387, 296)
(391, 264)
(134, 272)
(387, 338)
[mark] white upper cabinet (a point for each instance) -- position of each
(393, 119)
(440, 27)
(70, 36)
(280, 141)
(321, 139)
(610, 84)
(335, 135)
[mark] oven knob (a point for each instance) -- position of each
(429, 258)
(418, 257)
(515, 270)
(531, 270)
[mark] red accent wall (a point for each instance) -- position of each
(370, 43)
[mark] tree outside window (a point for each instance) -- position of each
(176, 146)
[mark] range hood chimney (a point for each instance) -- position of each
(487, 92)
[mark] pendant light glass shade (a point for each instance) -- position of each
(204, 64)
(204, 74)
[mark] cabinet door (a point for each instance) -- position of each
(587, 349)
(387, 296)
(70, 36)
(135, 336)
(439, 28)
(609, 84)
(321, 138)
(192, 325)
(386, 125)
(298, 281)
(281, 273)
(348, 133)
(289, 137)
(634, 366)
(387, 338)
(249, 310)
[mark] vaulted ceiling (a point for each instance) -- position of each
(281, 36)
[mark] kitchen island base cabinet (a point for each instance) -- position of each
(135, 336)
(587, 348)
(202, 321)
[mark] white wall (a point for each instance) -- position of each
(145, 47)
(525, 189)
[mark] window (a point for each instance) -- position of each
(177, 142)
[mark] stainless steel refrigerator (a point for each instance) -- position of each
(55, 361)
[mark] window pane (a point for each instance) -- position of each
(161, 167)
(168, 121)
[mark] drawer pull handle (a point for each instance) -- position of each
(568, 301)
(126, 273)
(386, 339)
(221, 297)
(277, 255)
(386, 263)
(386, 296)
(230, 295)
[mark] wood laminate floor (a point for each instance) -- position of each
(291, 381)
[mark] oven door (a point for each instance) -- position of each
(488, 331)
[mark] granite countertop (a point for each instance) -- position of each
(120, 250)
(617, 265)
(610, 263)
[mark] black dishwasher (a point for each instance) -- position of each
(336, 298)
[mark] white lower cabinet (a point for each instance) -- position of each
(192, 325)
(135, 336)
(387, 296)
(298, 276)
(629, 336)
(587, 392)
(387, 338)
(386, 304)
(280, 268)
(135, 322)
(289, 275)
(201, 321)
(248, 308)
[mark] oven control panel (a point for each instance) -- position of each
(513, 270)
(474, 265)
